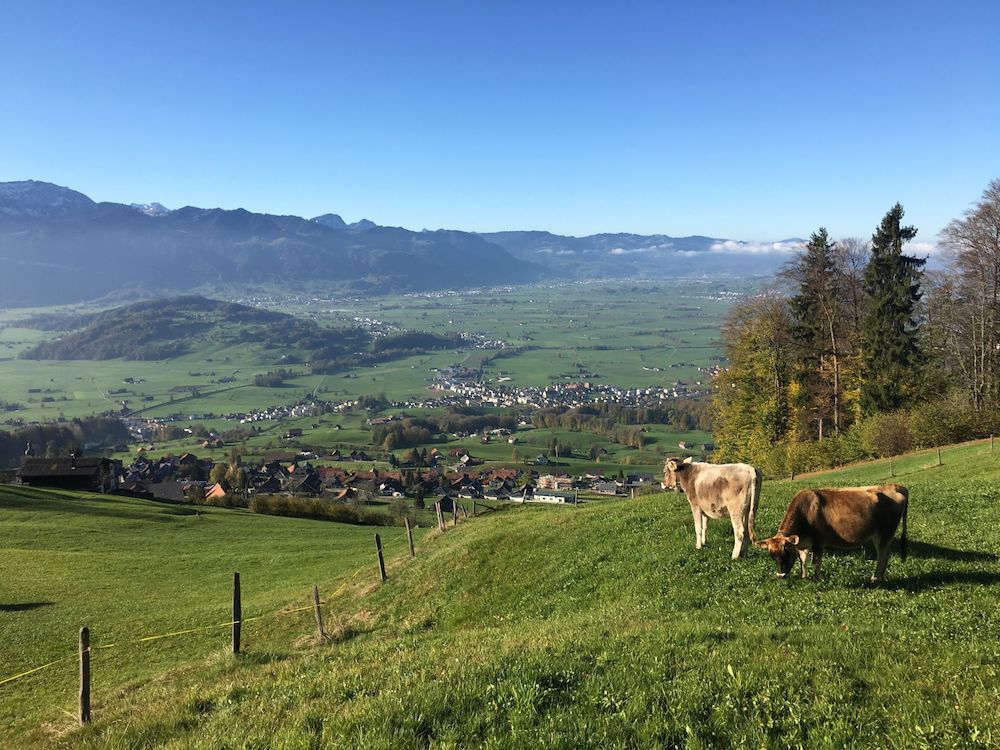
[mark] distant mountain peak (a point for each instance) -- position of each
(150, 209)
(334, 221)
(40, 199)
(330, 220)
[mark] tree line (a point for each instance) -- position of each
(59, 438)
(410, 432)
(859, 351)
(620, 423)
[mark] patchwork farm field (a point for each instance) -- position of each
(635, 335)
(631, 335)
(597, 626)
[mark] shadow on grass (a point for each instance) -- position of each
(936, 579)
(23, 607)
(919, 550)
(925, 550)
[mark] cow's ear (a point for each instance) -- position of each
(671, 465)
(689, 460)
(793, 539)
(763, 543)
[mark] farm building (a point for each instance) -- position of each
(551, 496)
(89, 474)
(215, 491)
(607, 488)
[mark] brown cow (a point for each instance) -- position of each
(844, 518)
(718, 491)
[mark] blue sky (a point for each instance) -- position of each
(751, 120)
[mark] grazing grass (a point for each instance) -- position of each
(130, 568)
(602, 627)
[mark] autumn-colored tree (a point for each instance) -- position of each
(751, 397)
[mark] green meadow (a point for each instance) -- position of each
(598, 626)
(133, 568)
(635, 335)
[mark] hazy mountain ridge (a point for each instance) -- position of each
(57, 245)
(623, 254)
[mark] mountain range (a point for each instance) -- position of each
(57, 245)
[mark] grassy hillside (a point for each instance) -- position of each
(603, 627)
(131, 568)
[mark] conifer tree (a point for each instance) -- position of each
(817, 310)
(890, 329)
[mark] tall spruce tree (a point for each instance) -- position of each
(889, 330)
(817, 309)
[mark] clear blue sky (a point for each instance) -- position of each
(750, 120)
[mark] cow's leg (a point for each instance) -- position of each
(704, 529)
(698, 538)
(882, 547)
(738, 536)
(817, 560)
(803, 554)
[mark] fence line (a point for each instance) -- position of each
(187, 631)
(935, 454)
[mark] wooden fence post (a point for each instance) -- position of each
(409, 536)
(237, 613)
(381, 560)
(892, 472)
(939, 455)
(440, 516)
(319, 615)
(991, 443)
(454, 512)
(84, 676)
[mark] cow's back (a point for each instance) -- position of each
(722, 486)
(845, 516)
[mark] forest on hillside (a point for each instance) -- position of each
(166, 328)
(857, 351)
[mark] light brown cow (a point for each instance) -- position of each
(844, 518)
(718, 491)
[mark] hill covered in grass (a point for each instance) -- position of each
(602, 627)
(172, 327)
(129, 568)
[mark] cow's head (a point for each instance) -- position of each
(782, 548)
(671, 469)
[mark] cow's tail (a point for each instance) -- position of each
(754, 497)
(902, 537)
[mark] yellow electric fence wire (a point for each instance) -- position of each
(175, 633)
(36, 669)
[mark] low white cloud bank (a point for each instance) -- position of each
(755, 248)
(922, 249)
(646, 249)
(552, 251)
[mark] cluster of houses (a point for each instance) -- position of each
(472, 392)
(186, 476)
